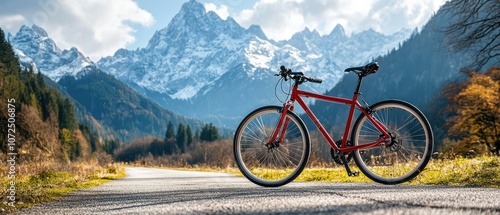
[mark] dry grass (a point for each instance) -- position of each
(45, 181)
(483, 171)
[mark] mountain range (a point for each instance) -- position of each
(208, 68)
(417, 72)
(34, 47)
(213, 69)
(107, 105)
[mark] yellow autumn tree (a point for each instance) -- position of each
(478, 112)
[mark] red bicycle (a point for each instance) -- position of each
(391, 141)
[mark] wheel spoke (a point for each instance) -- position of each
(405, 154)
(276, 164)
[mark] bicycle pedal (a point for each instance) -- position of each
(354, 174)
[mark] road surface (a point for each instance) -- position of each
(160, 191)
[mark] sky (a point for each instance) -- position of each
(99, 28)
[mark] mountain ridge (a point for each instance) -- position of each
(186, 60)
(34, 45)
(183, 68)
(101, 101)
(416, 72)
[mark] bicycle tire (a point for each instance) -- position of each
(407, 157)
(276, 166)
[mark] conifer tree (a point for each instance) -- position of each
(67, 117)
(189, 134)
(209, 133)
(169, 134)
(181, 137)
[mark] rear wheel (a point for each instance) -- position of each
(405, 154)
(271, 165)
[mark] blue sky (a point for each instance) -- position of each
(99, 28)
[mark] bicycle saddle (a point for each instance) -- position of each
(365, 70)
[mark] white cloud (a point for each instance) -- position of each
(280, 19)
(222, 10)
(97, 28)
(11, 23)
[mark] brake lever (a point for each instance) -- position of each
(284, 72)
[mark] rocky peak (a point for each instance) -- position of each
(306, 39)
(338, 34)
(193, 22)
(35, 48)
(256, 30)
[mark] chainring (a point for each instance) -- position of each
(336, 156)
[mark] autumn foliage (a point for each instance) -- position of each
(475, 108)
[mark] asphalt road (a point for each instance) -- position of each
(159, 191)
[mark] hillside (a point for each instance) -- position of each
(416, 72)
(109, 107)
(117, 106)
(37, 121)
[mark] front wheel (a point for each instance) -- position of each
(276, 164)
(405, 154)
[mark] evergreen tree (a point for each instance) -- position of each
(10, 83)
(189, 134)
(181, 137)
(27, 89)
(67, 118)
(197, 135)
(209, 133)
(204, 134)
(214, 133)
(91, 137)
(110, 146)
(169, 134)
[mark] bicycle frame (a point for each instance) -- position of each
(353, 103)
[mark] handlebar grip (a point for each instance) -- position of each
(315, 80)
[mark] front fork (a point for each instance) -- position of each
(280, 130)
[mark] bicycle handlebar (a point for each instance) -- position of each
(298, 76)
(361, 71)
(314, 80)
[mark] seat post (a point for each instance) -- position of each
(358, 86)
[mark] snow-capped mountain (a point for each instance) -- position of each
(213, 69)
(35, 48)
(104, 103)
(194, 50)
(197, 47)
(185, 65)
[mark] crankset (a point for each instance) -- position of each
(336, 156)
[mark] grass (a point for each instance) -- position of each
(37, 183)
(481, 171)
(46, 184)
(476, 172)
